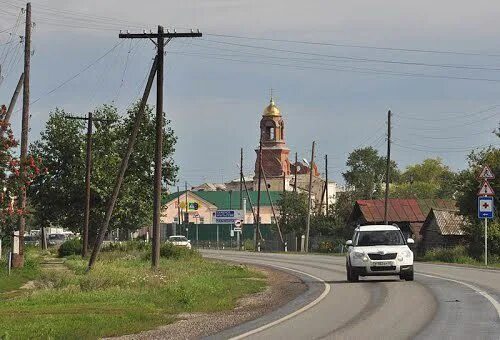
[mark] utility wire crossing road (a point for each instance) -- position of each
(444, 302)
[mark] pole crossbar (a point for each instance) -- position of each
(158, 35)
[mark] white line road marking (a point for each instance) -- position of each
(291, 315)
(474, 288)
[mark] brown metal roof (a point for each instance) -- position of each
(402, 210)
(449, 221)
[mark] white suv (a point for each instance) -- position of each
(378, 250)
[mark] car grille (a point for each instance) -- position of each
(382, 269)
(389, 256)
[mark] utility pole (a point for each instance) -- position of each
(123, 167)
(241, 179)
(160, 45)
(88, 171)
(326, 185)
(272, 206)
(308, 225)
(387, 176)
(258, 196)
(284, 181)
(18, 259)
(179, 218)
(295, 180)
(186, 214)
(13, 101)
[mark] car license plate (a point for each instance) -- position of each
(383, 264)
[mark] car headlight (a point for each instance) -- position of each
(404, 254)
(358, 254)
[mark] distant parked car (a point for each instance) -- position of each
(56, 239)
(31, 240)
(180, 241)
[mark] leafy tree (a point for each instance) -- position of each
(467, 200)
(59, 197)
(12, 180)
(293, 212)
(429, 179)
(366, 173)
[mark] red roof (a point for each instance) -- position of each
(401, 210)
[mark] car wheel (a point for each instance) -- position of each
(348, 271)
(352, 276)
(407, 276)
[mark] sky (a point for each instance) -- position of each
(335, 67)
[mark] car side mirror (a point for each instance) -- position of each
(348, 243)
(410, 241)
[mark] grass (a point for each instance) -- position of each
(122, 295)
(457, 255)
(18, 277)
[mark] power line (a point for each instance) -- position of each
(444, 150)
(451, 115)
(354, 45)
(76, 75)
(358, 59)
(349, 69)
(440, 128)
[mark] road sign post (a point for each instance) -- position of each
(237, 229)
(485, 204)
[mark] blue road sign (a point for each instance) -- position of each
(485, 207)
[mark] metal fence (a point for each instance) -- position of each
(222, 236)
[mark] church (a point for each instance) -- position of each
(278, 172)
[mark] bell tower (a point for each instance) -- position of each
(275, 153)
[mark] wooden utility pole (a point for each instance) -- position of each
(258, 196)
(308, 225)
(326, 185)
(160, 45)
(295, 180)
(155, 256)
(13, 101)
(123, 167)
(179, 218)
(241, 178)
(272, 206)
(284, 181)
(88, 171)
(388, 165)
(18, 259)
(186, 214)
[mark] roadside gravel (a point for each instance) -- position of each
(282, 288)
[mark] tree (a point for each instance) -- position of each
(60, 196)
(467, 201)
(429, 179)
(366, 173)
(12, 181)
(293, 212)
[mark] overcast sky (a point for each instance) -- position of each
(217, 86)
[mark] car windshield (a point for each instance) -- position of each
(178, 238)
(381, 237)
(56, 237)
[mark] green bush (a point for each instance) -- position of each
(168, 250)
(326, 247)
(456, 254)
(249, 244)
(70, 247)
(127, 246)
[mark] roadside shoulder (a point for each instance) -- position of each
(282, 288)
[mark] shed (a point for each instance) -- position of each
(408, 214)
(443, 228)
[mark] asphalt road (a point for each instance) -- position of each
(444, 302)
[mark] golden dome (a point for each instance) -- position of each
(271, 109)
